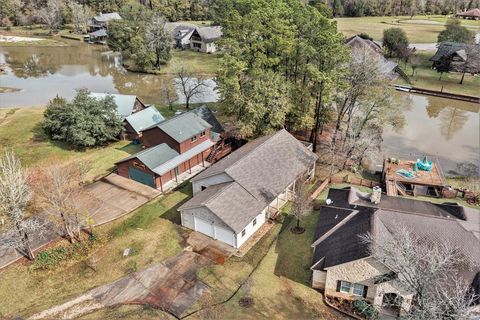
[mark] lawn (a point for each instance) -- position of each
(148, 231)
(20, 131)
(422, 29)
(195, 62)
(428, 78)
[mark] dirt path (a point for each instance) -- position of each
(171, 286)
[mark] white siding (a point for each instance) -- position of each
(209, 181)
(318, 279)
(250, 229)
(202, 213)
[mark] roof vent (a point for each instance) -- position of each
(329, 201)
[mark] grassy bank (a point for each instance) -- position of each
(20, 131)
(153, 237)
(420, 29)
(428, 78)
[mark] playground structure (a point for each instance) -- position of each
(420, 177)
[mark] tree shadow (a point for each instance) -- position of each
(173, 214)
(131, 148)
(39, 136)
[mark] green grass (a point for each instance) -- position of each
(196, 62)
(153, 237)
(20, 131)
(417, 32)
(428, 78)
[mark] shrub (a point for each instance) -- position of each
(83, 122)
(131, 266)
(365, 309)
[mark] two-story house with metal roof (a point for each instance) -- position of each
(175, 148)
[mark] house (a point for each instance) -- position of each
(181, 36)
(203, 39)
(138, 121)
(387, 67)
(473, 14)
(235, 196)
(457, 57)
(342, 266)
(97, 36)
(101, 21)
(126, 104)
(177, 148)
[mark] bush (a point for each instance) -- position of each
(84, 122)
(365, 309)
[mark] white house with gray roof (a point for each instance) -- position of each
(203, 39)
(235, 196)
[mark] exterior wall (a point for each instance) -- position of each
(188, 144)
(203, 47)
(363, 271)
(155, 136)
(122, 169)
(250, 229)
(202, 213)
(130, 133)
(209, 181)
(139, 105)
(319, 278)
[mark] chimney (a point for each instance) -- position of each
(376, 195)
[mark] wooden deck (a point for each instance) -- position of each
(433, 178)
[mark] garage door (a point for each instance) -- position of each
(224, 235)
(204, 227)
(141, 176)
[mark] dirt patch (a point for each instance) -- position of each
(246, 302)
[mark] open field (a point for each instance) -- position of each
(20, 131)
(421, 29)
(428, 78)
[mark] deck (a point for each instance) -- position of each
(433, 178)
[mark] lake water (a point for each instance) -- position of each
(444, 128)
(43, 72)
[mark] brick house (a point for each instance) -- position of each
(175, 147)
(342, 265)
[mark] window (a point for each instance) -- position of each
(203, 188)
(197, 45)
(194, 138)
(243, 233)
(202, 134)
(358, 289)
(345, 286)
(254, 221)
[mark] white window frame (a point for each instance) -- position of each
(202, 134)
(254, 222)
(349, 286)
(358, 285)
(244, 232)
(193, 139)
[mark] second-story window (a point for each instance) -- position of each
(194, 138)
(202, 134)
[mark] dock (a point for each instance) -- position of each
(435, 93)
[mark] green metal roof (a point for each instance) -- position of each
(184, 126)
(125, 103)
(154, 156)
(145, 118)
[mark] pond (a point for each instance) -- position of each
(444, 128)
(44, 72)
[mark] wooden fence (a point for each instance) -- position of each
(345, 179)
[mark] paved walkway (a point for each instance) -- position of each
(109, 199)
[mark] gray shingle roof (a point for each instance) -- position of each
(446, 49)
(144, 118)
(206, 114)
(425, 220)
(261, 170)
(105, 17)
(182, 31)
(209, 34)
(154, 156)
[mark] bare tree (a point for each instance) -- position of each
(190, 85)
(15, 196)
(62, 195)
(170, 96)
(80, 15)
(302, 203)
(51, 14)
(158, 40)
(428, 270)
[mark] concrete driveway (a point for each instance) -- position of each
(108, 199)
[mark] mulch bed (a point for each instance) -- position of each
(297, 230)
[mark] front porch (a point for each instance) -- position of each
(187, 175)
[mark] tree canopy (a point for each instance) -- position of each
(455, 32)
(395, 41)
(83, 122)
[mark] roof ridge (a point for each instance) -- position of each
(336, 227)
(227, 184)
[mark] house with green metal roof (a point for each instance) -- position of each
(175, 147)
(126, 104)
(139, 121)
